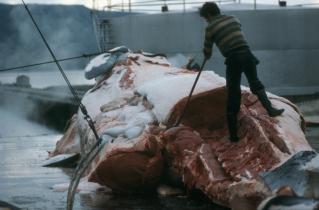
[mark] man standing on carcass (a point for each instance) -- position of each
(225, 32)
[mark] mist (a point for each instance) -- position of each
(68, 30)
(16, 111)
(16, 125)
(178, 60)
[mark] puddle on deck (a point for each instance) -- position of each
(24, 183)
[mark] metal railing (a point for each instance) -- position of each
(153, 6)
(103, 26)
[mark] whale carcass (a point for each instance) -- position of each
(136, 102)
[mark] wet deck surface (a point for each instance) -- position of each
(24, 183)
(28, 185)
(309, 107)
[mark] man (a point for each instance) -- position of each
(225, 32)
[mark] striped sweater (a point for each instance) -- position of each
(226, 32)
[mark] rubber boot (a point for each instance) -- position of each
(232, 127)
(263, 98)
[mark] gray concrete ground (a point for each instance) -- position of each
(309, 107)
(24, 183)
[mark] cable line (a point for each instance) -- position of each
(48, 62)
(85, 160)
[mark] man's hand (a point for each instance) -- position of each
(207, 53)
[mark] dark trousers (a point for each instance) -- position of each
(238, 63)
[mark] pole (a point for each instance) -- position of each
(190, 94)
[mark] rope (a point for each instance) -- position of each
(74, 93)
(190, 94)
(85, 56)
(95, 148)
(80, 169)
(47, 62)
(27, 136)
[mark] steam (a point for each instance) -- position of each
(309, 109)
(68, 30)
(13, 124)
(178, 60)
(47, 79)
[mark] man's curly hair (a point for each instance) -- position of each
(209, 8)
